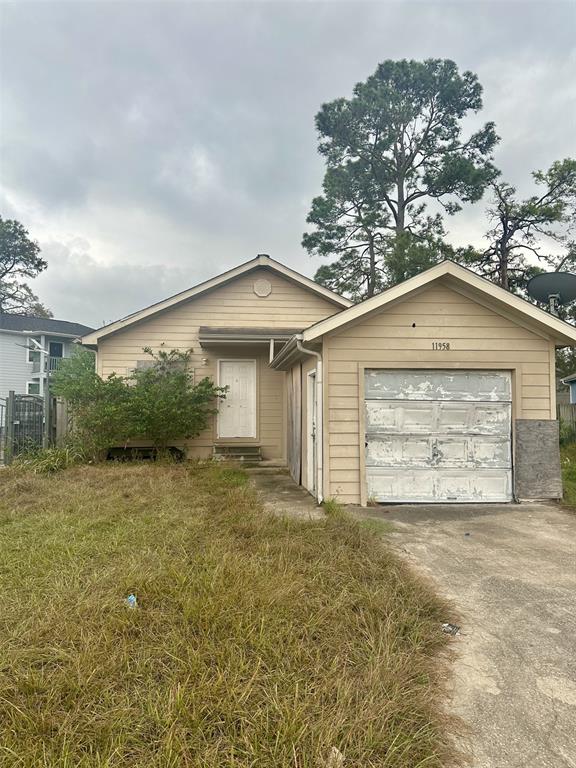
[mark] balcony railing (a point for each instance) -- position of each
(46, 364)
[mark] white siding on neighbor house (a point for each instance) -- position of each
(402, 336)
(232, 305)
(15, 371)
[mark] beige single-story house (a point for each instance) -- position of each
(441, 389)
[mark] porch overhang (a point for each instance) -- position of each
(210, 336)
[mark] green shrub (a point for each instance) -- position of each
(160, 404)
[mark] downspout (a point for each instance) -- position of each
(319, 420)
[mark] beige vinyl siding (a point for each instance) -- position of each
(478, 338)
(232, 305)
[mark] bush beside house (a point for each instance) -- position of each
(158, 404)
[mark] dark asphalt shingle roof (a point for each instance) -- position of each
(21, 323)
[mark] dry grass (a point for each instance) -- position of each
(259, 641)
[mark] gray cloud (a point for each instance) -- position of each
(173, 140)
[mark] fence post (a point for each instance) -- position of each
(47, 434)
(9, 450)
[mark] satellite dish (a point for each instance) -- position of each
(553, 288)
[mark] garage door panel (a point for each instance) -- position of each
(452, 451)
(392, 450)
(488, 485)
(456, 447)
(389, 484)
(391, 417)
(494, 420)
(492, 452)
(468, 451)
(400, 417)
(437, 385)
(434, 486)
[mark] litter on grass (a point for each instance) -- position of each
(335, 759)
(451, 629)
(131, 601)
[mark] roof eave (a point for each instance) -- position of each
(41, 333)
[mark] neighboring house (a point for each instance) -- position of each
(570, 384)
(23, 368)
(441, 389)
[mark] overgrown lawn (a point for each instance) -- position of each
(258, 641)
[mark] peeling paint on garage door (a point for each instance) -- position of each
(438, 436)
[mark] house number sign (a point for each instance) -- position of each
(440, 345)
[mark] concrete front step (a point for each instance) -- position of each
(242, 453)
(266, 468)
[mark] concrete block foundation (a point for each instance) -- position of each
(537, 473)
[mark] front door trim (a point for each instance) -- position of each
(311, 432)
(254, 429)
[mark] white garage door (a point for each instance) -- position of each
(438, 436)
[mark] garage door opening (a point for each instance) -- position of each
(438, 436)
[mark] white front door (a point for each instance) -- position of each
(237, 413)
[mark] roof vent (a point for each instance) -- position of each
(263, 255)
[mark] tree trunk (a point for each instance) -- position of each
(400, 218)
(372, 272)
(503, 269)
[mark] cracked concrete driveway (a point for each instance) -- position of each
(511, 573)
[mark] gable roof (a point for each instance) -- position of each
(457, 277)
(261, 261)
(461, 278)
(30, 324)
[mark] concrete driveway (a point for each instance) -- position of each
(511, 572)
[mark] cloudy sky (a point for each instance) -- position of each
(148, 146)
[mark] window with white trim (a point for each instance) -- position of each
(56, 349)
(32, 353)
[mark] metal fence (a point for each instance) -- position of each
(27, 423)
(2, 428)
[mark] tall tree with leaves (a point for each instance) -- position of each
(19, 260)
(350, 221)
(399, 144)
(531, 234)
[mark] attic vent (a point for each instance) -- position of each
(262, 288)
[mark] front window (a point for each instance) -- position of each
(33, 388)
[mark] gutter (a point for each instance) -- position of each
(319, 417)
(288, 350)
